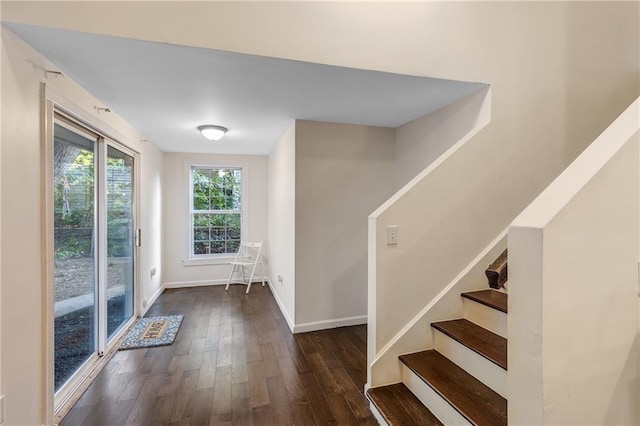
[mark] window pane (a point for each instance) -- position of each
(233, 246)
(200, 248)
(218, 233)
(201, 220)
(226, 190)
(233, 227)
(217, 219)
(200, 234)
(218, 247)
(201, 184)
(217, 189)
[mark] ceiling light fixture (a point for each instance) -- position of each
(211, 132)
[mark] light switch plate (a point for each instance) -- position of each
(392, 235)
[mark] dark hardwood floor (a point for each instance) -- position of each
(234, 362)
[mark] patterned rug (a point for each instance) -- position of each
(154, 331)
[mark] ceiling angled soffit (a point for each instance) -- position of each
(166, 91)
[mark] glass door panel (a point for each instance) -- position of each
(120, 239)
(75, 251)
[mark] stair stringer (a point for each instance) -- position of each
(416, 335)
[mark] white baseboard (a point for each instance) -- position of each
(200, 283)
(332, 323)
(374, 410)
(285, 314)
(298, 328)
(150, 300)
(377, 415)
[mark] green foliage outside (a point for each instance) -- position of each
(215, 189)
(74, 228)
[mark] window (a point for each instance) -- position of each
(216, 210)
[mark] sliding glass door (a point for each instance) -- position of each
(94, 253)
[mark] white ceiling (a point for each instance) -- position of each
(166, 91)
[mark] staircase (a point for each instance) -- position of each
(463, 379)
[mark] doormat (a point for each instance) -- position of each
(154, 331)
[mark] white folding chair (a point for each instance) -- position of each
(249, 256)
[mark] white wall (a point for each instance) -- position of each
(420, 141)
(343, 172)
(22, 309)
(176, 216)
(573, 293)
(282, 222)
(150, 198)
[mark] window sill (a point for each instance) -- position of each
(223, 260)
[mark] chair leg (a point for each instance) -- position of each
(230, 276)
(253, 271)
(262, 273)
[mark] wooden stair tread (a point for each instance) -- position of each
(478, 403)
(399, 406)
(491, 298)
(476, 338)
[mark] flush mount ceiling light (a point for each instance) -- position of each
(211, 132)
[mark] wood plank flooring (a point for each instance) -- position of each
(234, 362)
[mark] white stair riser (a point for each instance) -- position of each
(486, 317)
(473, 363)
(378, 416)
(430, 398)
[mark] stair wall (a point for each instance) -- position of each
(573, 289)
(421, 141)
(446, 304)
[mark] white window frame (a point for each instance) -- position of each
(192, 259)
